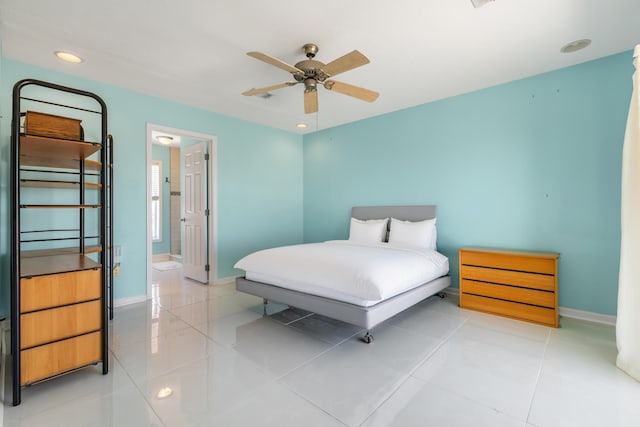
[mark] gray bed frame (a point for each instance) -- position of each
(364, 317)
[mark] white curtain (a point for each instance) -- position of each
(628, 322)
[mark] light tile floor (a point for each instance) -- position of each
(228, 365)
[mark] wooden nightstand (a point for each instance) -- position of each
(519, 284)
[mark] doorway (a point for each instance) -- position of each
(181, 208)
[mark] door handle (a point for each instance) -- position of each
(183, 219)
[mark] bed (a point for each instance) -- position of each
(278, 276)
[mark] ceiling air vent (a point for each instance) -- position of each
(480, 3)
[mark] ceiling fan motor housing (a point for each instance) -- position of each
(311, 69)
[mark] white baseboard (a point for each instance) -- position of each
(3, 363)
(161, 257)
(5, 351)
(451, 291)
(129, 300)
(225, 280)
(568, 312)
(588, 315)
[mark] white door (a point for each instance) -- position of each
(194, 175)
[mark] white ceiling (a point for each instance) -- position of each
(194, 51)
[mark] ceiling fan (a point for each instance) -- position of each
(313, 73)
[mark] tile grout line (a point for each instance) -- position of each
(135, 384)
(300, 318)
(546, 347)
(278, 379)
(481, 403)
(418, 365)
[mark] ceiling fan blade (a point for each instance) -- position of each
(310, 101)
(275, 62)
(351, 90)
(268, 89)
(345, 63)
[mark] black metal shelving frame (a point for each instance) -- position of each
(106, 218)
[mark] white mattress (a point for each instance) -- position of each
(358, 273)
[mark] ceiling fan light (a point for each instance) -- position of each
(164, 392)
(301, 125)
(310, 84)
(164, 139)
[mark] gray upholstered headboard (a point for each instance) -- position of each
(405, 213)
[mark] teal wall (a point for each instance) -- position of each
(531, 164)
(259, 175)
(162, 153)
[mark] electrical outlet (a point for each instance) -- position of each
(116, 270)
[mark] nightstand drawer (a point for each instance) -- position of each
(510, 293)
(546, 316)
(507, 277)
(510, 261)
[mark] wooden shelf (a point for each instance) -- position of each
(53, 264)
(89, 249)
(41, 183)
(92, 249)
(92, 165)
(60, 206)
(53, 152)
(62, 292)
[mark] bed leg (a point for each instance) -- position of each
(367, 338)
(442, 295)
(264, 306)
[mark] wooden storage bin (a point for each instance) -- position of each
(41, 327)
(518, 284)
(52, 126)
(54, 290)
(58, 357)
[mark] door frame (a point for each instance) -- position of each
(212, 169)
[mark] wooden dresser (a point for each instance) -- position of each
(518, 284)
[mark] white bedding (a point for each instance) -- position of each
(354, 272)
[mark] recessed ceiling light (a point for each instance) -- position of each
(164, 139)
(69, 57)
(164, 392)
(301, 125)
(575, 46)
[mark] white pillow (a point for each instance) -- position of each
(420, 234)
(372, 230)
